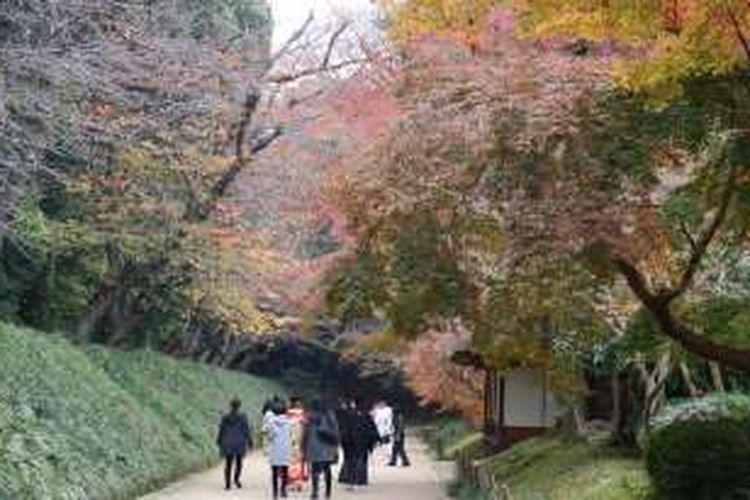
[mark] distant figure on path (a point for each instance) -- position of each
(321, 445)
(298, 471)
(382, 415)
(279, 432)
(234, 439)
(399, 440)
(359, 436)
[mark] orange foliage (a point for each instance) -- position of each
(437, 380)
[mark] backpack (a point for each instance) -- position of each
(325, 433)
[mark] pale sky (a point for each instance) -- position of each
(290, 14)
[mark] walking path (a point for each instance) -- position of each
(424, 480)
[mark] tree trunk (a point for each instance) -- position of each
(653, 383)
(616, 401)
(99, 309)
(688, 380)
(716, 378)
(621, 409)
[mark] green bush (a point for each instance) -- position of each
(701, 449)
(80, 424)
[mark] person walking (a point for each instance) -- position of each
(234, 439)
(399, 440)
(298, 470)
(382, 415)
(267, 414)
(345, 416)
(321, 444)
(279, 432)
(359, 437)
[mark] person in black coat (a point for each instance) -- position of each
(399, 440)
(233, 440)
(321, 445)
(359, 436)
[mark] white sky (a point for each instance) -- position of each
(290, 14)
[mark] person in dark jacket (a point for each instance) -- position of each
(321, 445)
(358, 438)
(399, 440)
(233, 440)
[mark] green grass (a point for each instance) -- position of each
(82, 424)
(552, 468)
(448, 436)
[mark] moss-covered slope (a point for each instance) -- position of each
(82, 424)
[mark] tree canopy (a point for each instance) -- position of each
(549, 176)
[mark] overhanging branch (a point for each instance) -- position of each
(700, 247)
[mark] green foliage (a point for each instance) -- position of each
(49, 269)
(700, 449)
(427, 280)
(448, 434)
(225, 19)
(724, 318)
(100, 424)
(356, 289)
(411, 277)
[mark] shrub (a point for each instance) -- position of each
(700, 449)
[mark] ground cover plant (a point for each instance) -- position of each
(100, 424)
(555, 468)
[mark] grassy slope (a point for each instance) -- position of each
(546, 468)
(448, 436)
(99, 424)
(551, 468)
(556, 469)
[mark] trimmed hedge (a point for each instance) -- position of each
(80, 424)
(700, 449)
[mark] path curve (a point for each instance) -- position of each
(425, 480)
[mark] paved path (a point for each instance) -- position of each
(425, 480)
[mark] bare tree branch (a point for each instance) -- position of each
(297, 35)
(317, 70)
(689, 237)
(332, 43)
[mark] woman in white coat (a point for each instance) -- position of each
(279, 432)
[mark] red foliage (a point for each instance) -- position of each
(437, 380)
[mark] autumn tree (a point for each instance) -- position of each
(436, 379)
(541, 165)
(692, 57)
(418, 202)
(671, 41)
(463, 21)
(130, 126)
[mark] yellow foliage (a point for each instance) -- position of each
(385, 341)
(232, 307)
(457, 18)
(668, 40)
